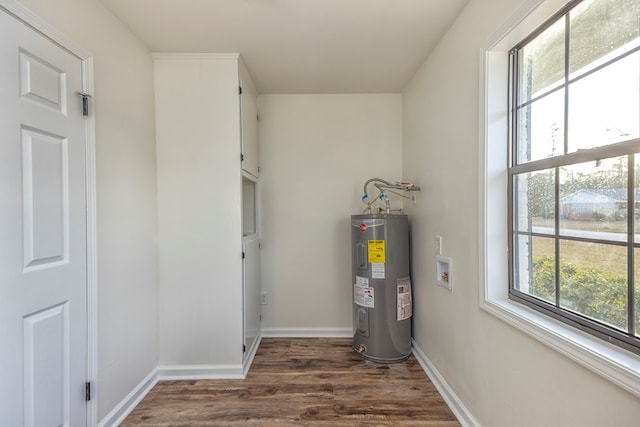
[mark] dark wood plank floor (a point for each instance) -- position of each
(301, 382)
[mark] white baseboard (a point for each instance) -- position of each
(200, 372)
(124, 408)
(210, 372)
(455, 404)
(307, 332)
(250, 355)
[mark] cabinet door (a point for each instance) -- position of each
(249, 122)
(251, 282)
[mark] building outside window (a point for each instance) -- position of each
(574, 169)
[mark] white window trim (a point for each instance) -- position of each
(613, 363)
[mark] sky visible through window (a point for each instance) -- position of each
(604, 106)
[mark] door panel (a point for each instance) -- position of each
(46, 366)
(44, 197)
(249, 123)
(43, 284)
(251, 279)
(42, 83)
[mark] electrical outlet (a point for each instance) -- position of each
(438, 245)
(264, 298)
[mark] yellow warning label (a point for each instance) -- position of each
(376, 250)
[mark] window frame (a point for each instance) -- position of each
(611, 362)
(629, 148)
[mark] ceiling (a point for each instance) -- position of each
(300, 46)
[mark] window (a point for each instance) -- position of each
(574, 169)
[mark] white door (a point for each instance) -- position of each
(43, 273)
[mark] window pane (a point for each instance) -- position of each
(593, 281)
(636, 294)
(636, 251)
(593, 200)
(541, 63)
(576, 91)
(541, 128)
(604, 107)
(599, 28)
(534, 201)
(636, 208)
(536, 267)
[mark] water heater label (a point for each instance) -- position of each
(363, 294)
(404, 298)
(376, 250)
(377, 270)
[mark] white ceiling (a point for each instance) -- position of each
(300, 46)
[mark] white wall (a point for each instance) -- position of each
(316, 152)
(126, 193)
(503, 377)
(199, 212)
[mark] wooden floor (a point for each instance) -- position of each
(301, 382)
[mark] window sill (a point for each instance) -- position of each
(617, 365)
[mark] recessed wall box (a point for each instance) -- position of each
(443, 272)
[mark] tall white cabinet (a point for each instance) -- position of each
(207, 167)
(250, 242)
